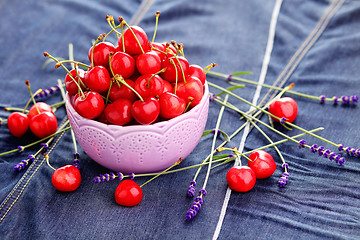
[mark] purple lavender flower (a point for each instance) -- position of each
(354, 98)
(21, 148)
(191, 189)
(212, 97)
(283, 120)
(283, 179)
(345, 99)
(45, 147)
(336, 100)
(47, 92)
(76, 161)
(229, 78)
(322, 98)
(107, 177)
(194, 209)
(302, 144)
(314, 148)
(341, 147)
(24, 163)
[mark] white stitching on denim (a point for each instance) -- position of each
(264, 68)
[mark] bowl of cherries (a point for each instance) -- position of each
(140, 106)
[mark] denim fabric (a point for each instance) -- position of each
(321, 199)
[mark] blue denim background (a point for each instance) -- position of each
(321, 200)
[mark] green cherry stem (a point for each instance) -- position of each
(156, 24)
(161, 173)
(74, 62)
(61, 129)
(31, 96)
(137, 40)
(208, 67)
(100, 37)
(121, 19)
(110, 20)
(48, 162)
(182, 70)
(152, 76)
(46, 54)
(176, 75)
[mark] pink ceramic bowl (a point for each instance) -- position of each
(140, 148)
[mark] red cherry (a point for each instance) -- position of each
(171, 105)
(170, 73)
(146, 112)
(118, 112)
(97, 79)
(128, 193)
(66, 178)
(70, 85)
(18, 123)
(284, 107)
(262, 164)
(167, 86)
(192, 88)
(149, 88)
(43, 107)
(90, 106)
(197, 71)
(241, 178)
(148, 63)
(43, 124)
(123, 91)
(131, 45)
(123, 64)
(102, 51)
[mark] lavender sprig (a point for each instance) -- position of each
(24, 163)
(47, 92)
(191, 189)
(195, 207)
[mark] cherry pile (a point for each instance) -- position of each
(136, 81)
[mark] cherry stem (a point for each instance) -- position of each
(30, 99)
(176, 75)
(191, 99)
(159, 174)
(182, 70)
(39, 141)
(67, 70)
(137, 40)
(73, 62)
(110, 20)
(208, 67)
(156, 24)
(108, 93)
(48, 162)
(31, 96)
(214, 141)
(235, 150)
(100, 37)
(153, 75)
(121, 19)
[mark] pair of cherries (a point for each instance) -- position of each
(143, 81)
(40, 119)
(262, 164)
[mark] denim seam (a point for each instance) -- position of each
(305, 46)
(141, 11)
(20, 183)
